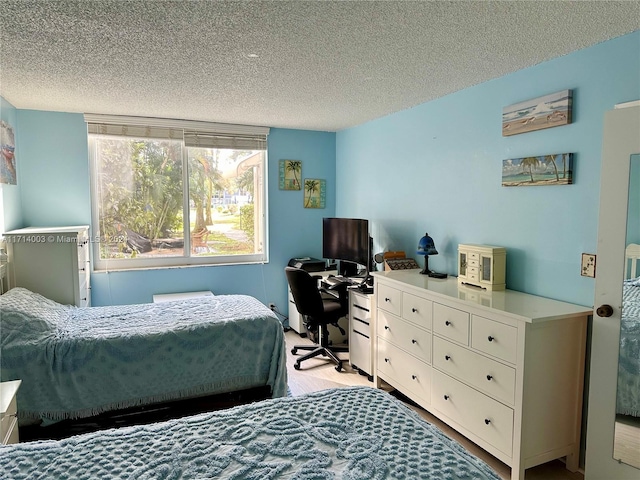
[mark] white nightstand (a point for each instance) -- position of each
(9, 412)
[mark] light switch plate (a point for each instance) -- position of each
(588, 265)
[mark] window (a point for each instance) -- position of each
(171, 193)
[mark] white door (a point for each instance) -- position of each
(621, 140)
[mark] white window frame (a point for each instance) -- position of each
(186, 259)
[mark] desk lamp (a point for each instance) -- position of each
(426, 247)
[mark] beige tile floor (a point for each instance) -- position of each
(319, 374)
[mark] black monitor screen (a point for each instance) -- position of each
(346, 239)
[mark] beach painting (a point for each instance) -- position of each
(315, 193)
(7, 154)
(556, 169)
(290, 172)
(543, 112)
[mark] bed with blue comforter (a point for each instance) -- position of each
(628, 397)
(349, 433)
(79, 362)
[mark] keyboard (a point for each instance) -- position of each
(334, 281)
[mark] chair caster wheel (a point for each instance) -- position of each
(296, 366)
(294, 351)
(339, 367)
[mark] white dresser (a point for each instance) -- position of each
(503, 368)
(52, 261)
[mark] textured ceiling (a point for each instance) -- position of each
(318, 65)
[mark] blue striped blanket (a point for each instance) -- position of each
(78, 362)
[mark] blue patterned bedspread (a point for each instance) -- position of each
(78, 362)
(350, 433)
(628, 398)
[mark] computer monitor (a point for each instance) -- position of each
(347, 240)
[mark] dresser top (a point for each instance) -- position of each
(518, 305)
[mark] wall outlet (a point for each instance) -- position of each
(588, 268)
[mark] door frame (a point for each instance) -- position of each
(621, 139)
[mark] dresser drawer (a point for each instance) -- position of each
(397, 365)
(405, 335)
(83, 249)
(389, 299)
(485, 374)
(488, 419)
(451, 323)
(494, 338)
(417, 310)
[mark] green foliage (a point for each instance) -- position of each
(140, 185)
(246, 220)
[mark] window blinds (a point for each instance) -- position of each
(193, 133)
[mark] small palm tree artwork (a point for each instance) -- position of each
(538, 170)
(315, 192)
(290, 173)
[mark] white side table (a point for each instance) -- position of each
(9, 412)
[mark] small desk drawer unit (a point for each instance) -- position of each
(503, 368)
(361, 330)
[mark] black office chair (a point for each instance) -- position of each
(318, 311)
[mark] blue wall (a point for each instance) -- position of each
(55, 190)
(436, 168)
(11, 207)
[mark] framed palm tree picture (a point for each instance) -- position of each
(290, 174)
(315, 193)
(556, 169)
